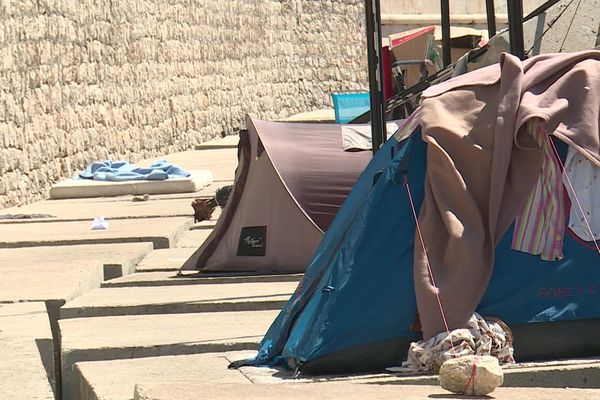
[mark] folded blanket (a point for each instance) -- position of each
(119, 171)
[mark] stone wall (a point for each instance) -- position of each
(83, 80)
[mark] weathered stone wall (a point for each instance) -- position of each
(82, 80)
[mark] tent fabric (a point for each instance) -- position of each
(355, 309)
(291, 180)
(479, 119)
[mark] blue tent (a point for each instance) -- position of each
(355, 308)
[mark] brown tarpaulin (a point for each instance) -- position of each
(481, 166)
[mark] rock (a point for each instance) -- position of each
(471, 375)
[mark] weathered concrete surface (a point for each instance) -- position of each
(221, 162)
(121, 207)
(171, 278)
(62, 273)
(109, 338)
(165, 259)
(162, 232)
(26, 352)
(116, 379)
(193, 238)
(573, 373)
(335, 391)
(179, 299)
(228, 142)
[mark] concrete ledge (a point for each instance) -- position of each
(228, 142)
(116, 379)
(193, 238)
(335, 391)
(162, 232)
(221, 162)
(172, 278)
(580, 373)
(62, 273)
(26, 353)
(124, 337)
(165, 260)
(110, 208)
(179, 299)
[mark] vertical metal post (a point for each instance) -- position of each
(378, 132)
(445, 8)
(491, 17)
(515, 28)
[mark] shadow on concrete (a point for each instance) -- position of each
(46, 350)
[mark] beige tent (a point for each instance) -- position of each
(291, 180)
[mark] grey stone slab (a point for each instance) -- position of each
(123, 337)
(172, 278)
(193, 238)
(162, 232)
(26, 352)
(61, 273)
(334, 391)
(116, 379)
(165, 259)
(179, 299)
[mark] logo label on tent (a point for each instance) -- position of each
(253, 241)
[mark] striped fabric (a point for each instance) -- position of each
(540, 226)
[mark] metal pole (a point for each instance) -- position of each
(378, 132)
(515, 28)
(491, 17)
(445, 7)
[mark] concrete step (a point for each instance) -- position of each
(165, 259)
(58, 274)
(179, 299)
(87, 209)
(26, 352)
(193, 238)
(193, 278)
(162, 232)
(228, 142)
(154, 390)
(116, 379)
(578, 373)
(573, 373)
(221, 162)
(124, 337)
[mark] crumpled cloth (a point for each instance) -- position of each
(119, 171)
(481, 337)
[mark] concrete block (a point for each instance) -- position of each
(123, 337)
(111, 208)
(58, 274)
(221, 162)
(179, 299)
(162, 232)
(26, 355)
(228, 142)
(116, 379)
(165, 259)
(172, 278)
(193, 238)
(333, 391)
